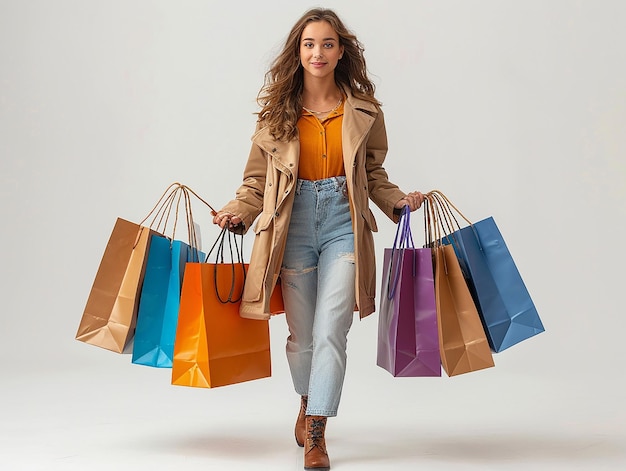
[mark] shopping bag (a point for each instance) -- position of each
(506, 308)
(214, 345)
(408, 338)
(462, 339)
(160, 295)
(110, 314)
(160, 299)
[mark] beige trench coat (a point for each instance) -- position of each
(268, 187)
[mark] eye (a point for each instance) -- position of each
(328, 45)
(308, 44)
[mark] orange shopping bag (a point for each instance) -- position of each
(214, 345)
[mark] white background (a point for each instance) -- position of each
(515, 110)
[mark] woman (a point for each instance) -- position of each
(316, 160)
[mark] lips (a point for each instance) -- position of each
(318, 64)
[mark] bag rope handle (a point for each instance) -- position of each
(434, 227)
(161, 214)
(402, 240)
(448, 206)
(219, 258)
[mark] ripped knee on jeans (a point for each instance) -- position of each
(286, 273)
(346, 256)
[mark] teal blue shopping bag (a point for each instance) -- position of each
(157, 317)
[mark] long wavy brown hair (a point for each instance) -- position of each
(280, 98)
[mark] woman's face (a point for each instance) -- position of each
(320, 49)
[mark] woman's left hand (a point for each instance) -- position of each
(413, 200)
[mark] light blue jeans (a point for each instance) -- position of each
(318, 284)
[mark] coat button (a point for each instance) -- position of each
(273, 149)
(291, 164)
(276, 214)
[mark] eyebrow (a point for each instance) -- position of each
(325, 39)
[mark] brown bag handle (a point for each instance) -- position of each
(449, 208)
(170, 201)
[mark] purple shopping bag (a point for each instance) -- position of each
(408, 336)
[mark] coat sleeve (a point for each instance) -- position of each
(248, 202)
(382, 192)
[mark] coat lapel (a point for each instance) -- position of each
(358, 117)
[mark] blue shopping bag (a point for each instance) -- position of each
(159, 301)
(505, 306)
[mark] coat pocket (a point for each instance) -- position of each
(370, 220)
(259, 258)
(264, 221)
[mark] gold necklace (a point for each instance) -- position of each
(324, 112)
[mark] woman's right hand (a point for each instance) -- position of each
(224, 218)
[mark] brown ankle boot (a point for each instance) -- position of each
(301, 423)
(315, 455)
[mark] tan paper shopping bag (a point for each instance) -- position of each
(462, 339)
(110, 314)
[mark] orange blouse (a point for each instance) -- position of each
(321, 154)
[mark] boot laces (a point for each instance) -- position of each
(316, 432)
